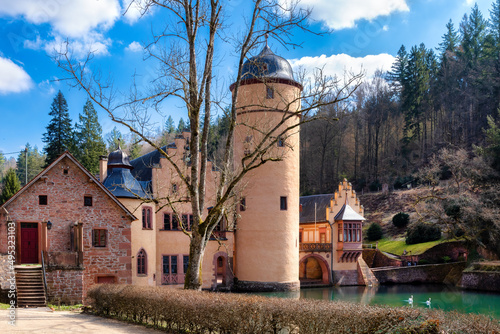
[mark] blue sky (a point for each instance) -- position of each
(366, 33)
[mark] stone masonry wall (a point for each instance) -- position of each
(65, 286)
(433, 273)
(480, 280)
(65, 193)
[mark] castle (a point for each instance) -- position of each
(120, 227)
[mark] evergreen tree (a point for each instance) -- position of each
(36, 162)
(450, 39)
(169, 125)
(135, 148)
(11, 186)
(182, 126)
(59, 135)
(114, 139)
(89, 140)
(2, 162)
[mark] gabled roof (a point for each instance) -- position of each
(84, 170)
(307, 203)
(347, 213)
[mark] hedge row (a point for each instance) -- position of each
(203, 312)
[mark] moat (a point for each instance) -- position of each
(444, 297)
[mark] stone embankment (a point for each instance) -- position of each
(432, 273)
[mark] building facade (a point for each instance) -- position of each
(331, 237)
(68, 220)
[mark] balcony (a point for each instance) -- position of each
(315, 247)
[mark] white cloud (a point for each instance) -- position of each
(341, 14)
(134, 47)
(338, 65)
(78, 47)
(13, 78)
(73, 18)
(134, 9)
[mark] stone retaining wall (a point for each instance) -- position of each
(432, 273)
(480, 280)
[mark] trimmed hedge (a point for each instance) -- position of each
(182, 311)
(401, 219)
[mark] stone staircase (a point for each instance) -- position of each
(30, 286)
(365, 274)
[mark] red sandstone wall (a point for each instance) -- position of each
(65, 207)
(65, 286)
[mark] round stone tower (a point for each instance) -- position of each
(267, 231)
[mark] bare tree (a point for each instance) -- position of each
(184, 52)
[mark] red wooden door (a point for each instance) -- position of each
(29, 243)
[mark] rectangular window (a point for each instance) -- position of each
(190, 222)
(243, 204)
(174, 188)
(166, 221)
(166, 264)
(300, 236)
(99, 237)
(87, 200)
(146, 218)
(42, 200)
(173, 264)
(175, 222)
(269, 93)
(283, 203)
(185, 263)
(322, 238)
(185, 222)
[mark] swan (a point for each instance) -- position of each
(410, 300)
(428, 302)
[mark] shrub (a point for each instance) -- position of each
(183, 311)
(401, 219)
(422, 233)
(423, 261)
(374, 232)
(446, 259)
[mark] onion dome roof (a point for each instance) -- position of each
(119, 159)
(267, 65)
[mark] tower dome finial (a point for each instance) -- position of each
(267, 37)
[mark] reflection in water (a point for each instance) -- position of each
(442, 297)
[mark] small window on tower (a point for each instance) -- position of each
(283, 203)
(243, 204)
(281, 142)
(269, 93)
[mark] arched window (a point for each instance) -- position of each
(142, 259)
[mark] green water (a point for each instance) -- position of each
(443, 297)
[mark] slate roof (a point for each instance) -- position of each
(267, 65)
(347, 213)
(143, 165)
(122, 184)
(307, 203)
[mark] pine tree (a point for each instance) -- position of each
(135, 148)
(182, 126)
(88, 134)
(59, 135)
(114, 139)
(169, 125)
(11, 186)
(36, 162)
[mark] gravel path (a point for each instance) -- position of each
(43, 320)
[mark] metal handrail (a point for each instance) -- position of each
(44, 274)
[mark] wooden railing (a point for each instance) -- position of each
(315, 247)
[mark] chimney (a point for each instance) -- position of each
(103, 168)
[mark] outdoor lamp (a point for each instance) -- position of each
(49, 225)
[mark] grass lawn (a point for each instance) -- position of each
(4, 306)
(398, 246)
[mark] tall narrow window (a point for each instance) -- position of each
(146, 218)
(166, 221)
(141, 262)
(185, 263)
(185, 222)
(42, 200)
(269, 93)
(175, 222)
(243, 204)
(283, 203)
(166, 264)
